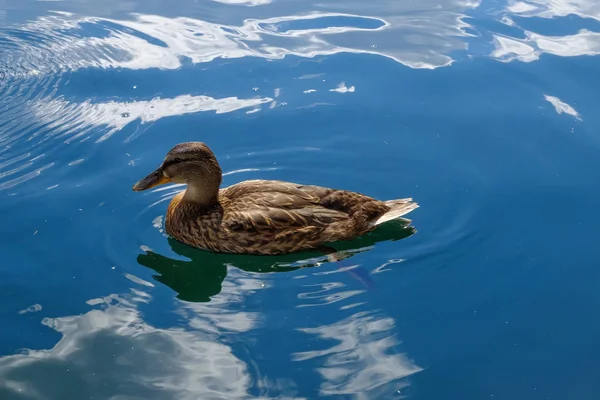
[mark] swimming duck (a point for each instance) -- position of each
(261, 217)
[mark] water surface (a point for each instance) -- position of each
(485, 112)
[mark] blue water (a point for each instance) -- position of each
(484, 112)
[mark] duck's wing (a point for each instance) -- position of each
(261, 206)
(293, 195)
(299, 194)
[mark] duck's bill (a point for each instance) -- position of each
(154, 179)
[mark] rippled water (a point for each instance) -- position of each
(483, 111)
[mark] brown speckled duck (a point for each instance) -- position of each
(261, 216)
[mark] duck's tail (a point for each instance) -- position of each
(398, 208)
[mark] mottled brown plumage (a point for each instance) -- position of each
(261, 216)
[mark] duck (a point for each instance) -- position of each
(261, 217)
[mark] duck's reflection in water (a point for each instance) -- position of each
(201, 277)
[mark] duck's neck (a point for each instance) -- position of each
(204, 194)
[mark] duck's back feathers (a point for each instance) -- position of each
(273, 216)
(276, 206)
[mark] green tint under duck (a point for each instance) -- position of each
(261, 216)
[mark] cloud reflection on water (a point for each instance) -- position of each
(245, 2)
(562, 107)
(420, 35)
(555, 8)
(582, 43)
(172, 363)
(177, 363)
(418, 40)
(116, 115)
(73, 121)
(201, 358)
(36, 57)
(362, 362)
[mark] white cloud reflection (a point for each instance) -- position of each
(112, 341)
(361, 362)
(166, 363)
(244, 2)
(583, 43)
(363, 359)
(199, 358)
(342, 88)
(533, 45)
(418, 36)
(555, 8)
(508, 49)
(115, 115)
(562, 107)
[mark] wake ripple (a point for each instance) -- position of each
(38, 58)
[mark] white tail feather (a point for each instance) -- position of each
(399, 208)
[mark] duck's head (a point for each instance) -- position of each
(192, 163)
